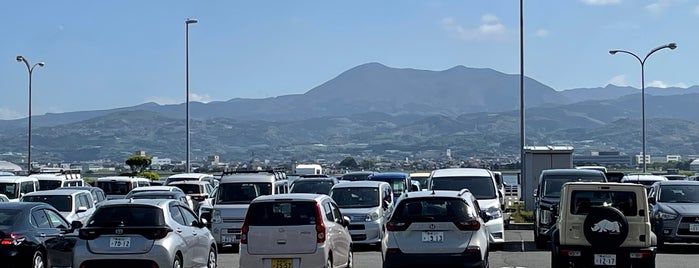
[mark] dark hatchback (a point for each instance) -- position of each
(313, 185)
(34, 235)
(674, 211)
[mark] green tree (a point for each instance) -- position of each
(368, 164)
(348, 163)
(150, 175)
(138, 163)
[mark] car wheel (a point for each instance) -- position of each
(350, 259)
(211, 261)
(38, 260)
(605, 227)
(177, 263)
(329, 263)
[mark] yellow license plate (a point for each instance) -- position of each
(281, 263)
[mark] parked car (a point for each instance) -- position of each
(50, 179)
(193, 177)
(547, 197)
(420, 177)
(34, 235)
(116, 187)
(197, 191)
(313, 185)
(400, 182)
(98, 195)
(644, 179)
(674, 211)
(368, 204)
(145, 233)
(295, 230)
(15, 187)
(675, 177)
(436, 229)
(357, 175)
(73, 205)
(176, 193)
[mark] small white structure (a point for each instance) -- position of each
(309, 169)
(694, 165)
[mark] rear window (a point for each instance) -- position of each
(153, 196)
(63, 203)
(552, 183)
(314, 187)
(583, 201)
(189, 188)
(356, 197)
(480, 187)
(282, 213)
(241, 193)
(397, 185)
(355, 177)
(9, 190)
(8, 216)
(115, 187)
(127, 216)
(433, 210)
(49, 185)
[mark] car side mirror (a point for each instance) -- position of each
(345, 221)
(536, 192)
(414, 188)
(81, 209)
(485, 216)
(651, 200)
(75, 225)
(201, 223)
(384, 204)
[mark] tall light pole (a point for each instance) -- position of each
(30, 69)
(187, 23)
(643, 91)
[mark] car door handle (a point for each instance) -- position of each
(281, 241)
(195, 233)
(42, 234)
(178, 230)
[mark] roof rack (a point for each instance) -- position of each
(278, 173)
(463, 191)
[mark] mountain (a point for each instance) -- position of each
(612, 92)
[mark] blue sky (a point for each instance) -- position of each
(109, 54)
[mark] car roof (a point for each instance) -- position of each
(156, 188)
(248, 177)
(190, 175)
(152, 202)
(420, 174)
(316, 179)
(163, 193)
(571, 171)
(57, 191)
(357, 184)
(390, 175)
(122, 178)
(188, 182)
(643, 177)
(459, 172)
(21, 205)
(292, 197)
(16, 178)
(677, 182)
(436, 193)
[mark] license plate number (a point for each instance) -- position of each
(120, 242)
(432, 237)
(605, 259)
(281, 263)
(228, 238)
(694, 227)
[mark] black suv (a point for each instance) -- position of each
(547, 197)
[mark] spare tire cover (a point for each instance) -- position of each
(605, 227)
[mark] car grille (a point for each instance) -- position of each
(234, 231)
(356, 227)
(690, 219)
(233, 220)
(358, 237)
(118, 264)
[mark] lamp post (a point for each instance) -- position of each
(30, 69)
(643, 91)
(187, 23)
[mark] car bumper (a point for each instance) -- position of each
(585, 255)
(158, 255)
(677, 231)
(316, 259)
(496, 230)
(226, 234)
(400, 259)
(365, 233)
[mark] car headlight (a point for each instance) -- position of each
(216, 216)
(665, 216)
(372, 216)
(545, 216)
(494, 212)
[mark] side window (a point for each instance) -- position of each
(39, 219)
(336, 213)
(57, 220)
(26, 187)
(189, 216)
(476, 207)
(328, 211)
(176, 214)
(85, 201)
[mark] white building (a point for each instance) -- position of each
(640, 156)
(160, 161)
(673, 157)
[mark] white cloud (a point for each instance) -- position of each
(662, 84)
(696, 10)
(542, 33)
(7, 114)
(661, 5)
(163, 100)
(200, 98)
(619, 80)
(601, 2)
(490, 29)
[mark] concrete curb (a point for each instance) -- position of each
(519, 226)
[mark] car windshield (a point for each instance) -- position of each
(311, 186)
(282, 213)
(679, 194)
(432, 210)
(189, 188)
(552, 183)
(115, 187)
(480, 187)
(48, 184)
(421, 180)
(63, 203)
(583, 201)
(397, 185)
(356, 197)
(9, 216)
(132, 215)
(9, 189)
(241, 193)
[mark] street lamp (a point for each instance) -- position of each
(643, 91)
(30, 68)
(187, 23)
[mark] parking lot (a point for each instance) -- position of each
(519, 251)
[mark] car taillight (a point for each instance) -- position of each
(468, 225)
(395, 225)
(157, 233)
(320, 225)
(244, 231)
(13, 239)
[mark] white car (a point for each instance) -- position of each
(145, 189)
(74, 205)
(295, 230)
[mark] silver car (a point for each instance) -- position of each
(368, 205)
(145, 233)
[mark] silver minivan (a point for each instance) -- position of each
(368, 204)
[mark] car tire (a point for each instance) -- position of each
(211, 261)
(350, 259)
(329, 263)
(38, 260)
(177, 263)
(605, 227)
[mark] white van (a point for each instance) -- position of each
(74, 205)
(368, 204)
(309, 169)
(49, 180)
(193, 177)
(116, 187)
(482, 185)
(15, 187)
(233, 197)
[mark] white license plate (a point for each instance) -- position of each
(605, 259)
(437, 237)
(120, 242)
(228, 238)
(694, 227)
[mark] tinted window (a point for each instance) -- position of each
(112, 216)
(355, 177)
(679, 194)
(282, 213)
(189, 188)
(313, 186)
(9, 189)
(356, 197)
(241, 193)
(115, 187)
(176, 214)
(398, 185)
(49, 185)
(27, 187)
(551, 186)
(57, 220)
(59, 202)
(582, 201)
(189, 216)
(154, 196)
(8, 216)
(480, 187)
(40, 219)
(433, 210)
